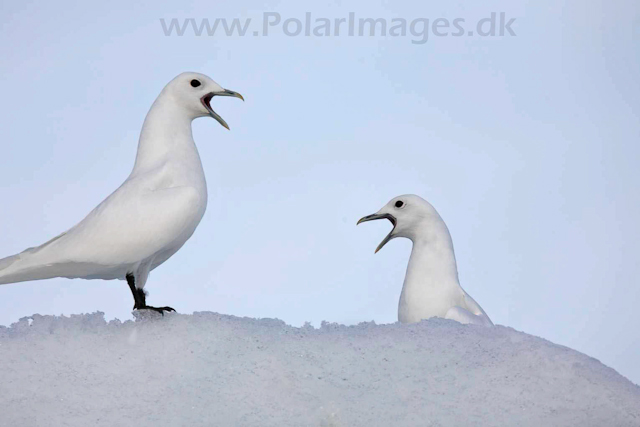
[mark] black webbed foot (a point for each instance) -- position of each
(140, 297)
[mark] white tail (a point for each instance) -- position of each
(27, 266)
(17, 268)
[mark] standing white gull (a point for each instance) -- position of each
(431, 287)
(151, 215)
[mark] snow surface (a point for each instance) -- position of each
(208, 369)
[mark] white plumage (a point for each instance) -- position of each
(431, 287)
(151, 215)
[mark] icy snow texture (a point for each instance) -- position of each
(208, 369)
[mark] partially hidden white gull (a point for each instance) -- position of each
(151, 215)
(431, 287)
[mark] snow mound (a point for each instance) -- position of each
(208, 369)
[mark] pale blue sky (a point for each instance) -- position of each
(528, 147)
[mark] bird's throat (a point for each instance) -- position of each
(431, 278)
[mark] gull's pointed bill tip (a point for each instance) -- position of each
(228, 92)
(365, 219)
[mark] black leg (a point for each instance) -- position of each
(135, 292)
(140, 298)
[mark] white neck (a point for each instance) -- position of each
(431, 284)
(166, 134)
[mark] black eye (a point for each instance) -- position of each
(195, 83)
(399, 204)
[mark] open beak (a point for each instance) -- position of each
(206, 101)
(380, 216)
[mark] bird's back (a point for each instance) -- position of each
(141, 219)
